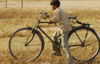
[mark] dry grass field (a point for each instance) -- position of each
(13, 18)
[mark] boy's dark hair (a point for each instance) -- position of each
(55, 2)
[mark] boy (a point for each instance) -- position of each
(61, 19)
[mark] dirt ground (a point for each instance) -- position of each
(45, 58)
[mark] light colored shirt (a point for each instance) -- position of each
(61, 19)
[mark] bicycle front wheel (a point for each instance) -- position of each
(30, 52)
(83, 43)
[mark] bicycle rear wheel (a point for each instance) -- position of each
(83, 43)
(30, 52)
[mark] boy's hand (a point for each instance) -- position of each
(50, 22)
(47, 15)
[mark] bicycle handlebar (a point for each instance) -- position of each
(44, 13)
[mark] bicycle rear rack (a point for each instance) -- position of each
(75, 18)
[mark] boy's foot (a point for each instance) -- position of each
(57, 53)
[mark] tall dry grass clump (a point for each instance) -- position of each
(31, 13)
(15, 13)
(12, 19)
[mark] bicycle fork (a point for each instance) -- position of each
(33, 32)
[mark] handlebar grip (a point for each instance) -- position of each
(42, 13)
(45, 13)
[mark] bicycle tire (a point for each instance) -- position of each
(29, 52)
(72, 41)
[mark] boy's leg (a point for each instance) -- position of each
(65, 46)
(55, 37)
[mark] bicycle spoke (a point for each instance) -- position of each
(34, 45)
(83, 41)
(91, 43)
(89, 37)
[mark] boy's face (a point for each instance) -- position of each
(53, 7)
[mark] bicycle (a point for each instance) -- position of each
(28, 43)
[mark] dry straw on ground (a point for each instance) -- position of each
(12, 19)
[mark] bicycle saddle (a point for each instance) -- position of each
(72, 17)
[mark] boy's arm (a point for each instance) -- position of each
(56, 17)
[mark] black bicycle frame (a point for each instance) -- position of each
(46, 34)
(76, 33)
(51, 39)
